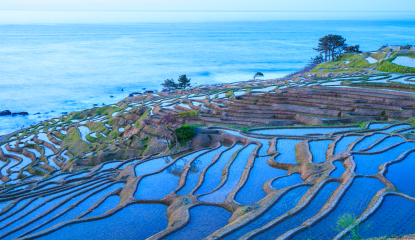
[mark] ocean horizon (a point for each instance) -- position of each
(151, 16)
(53, 65)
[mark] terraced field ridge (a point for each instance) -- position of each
(292, 158)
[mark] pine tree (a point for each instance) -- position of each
(184, 82)
(352, 49)
(169, 84)
(258, 74)
(331, 46)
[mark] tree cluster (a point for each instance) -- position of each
(316, 60)
(408, 46)
(182, 83)
(352, 49)
(333, 46)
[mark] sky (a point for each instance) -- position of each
(152, 11)
(211, 5)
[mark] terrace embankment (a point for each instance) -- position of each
(308, 106)
(138, 127)
(181, 155)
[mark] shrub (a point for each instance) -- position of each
(346, 221)
(186, 114)
(185, 132)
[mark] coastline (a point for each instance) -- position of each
(299, 72)
(137, 62)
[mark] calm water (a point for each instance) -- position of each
(57, 66)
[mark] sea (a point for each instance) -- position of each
(53, 62)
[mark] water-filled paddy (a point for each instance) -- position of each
(368, 164)
(387, 142)
(368, 141)
(282, 205)
(83, 132)
(160, 184)
(287, 181)
(371, 60)
(144, 220)
(235, 172)
(66, 157)
(286, 148)
(110, 165)
(52, 163)
(25, 161)
(252, 191)
(38, 207)
(401, 174)
(331, 83)
(44, 137)
(18, 210)
(57, 177)
(34, 151)
(73, 212)
(378, 125)
(11, 163)
(344, 143)
(354, 202)
(195, 169)
(395, 128)
(151, 165)
(214, 173)
(109, 203)
(404, 61)
(77, 175)
(318, 149)
(204, 220)
(295, 221)
(339, 169)
(302, 131)
(395, 217)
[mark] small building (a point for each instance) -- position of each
(395, 48)
(413, 49)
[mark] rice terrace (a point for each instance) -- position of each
(324, 153)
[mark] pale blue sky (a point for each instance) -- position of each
(211, 5)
